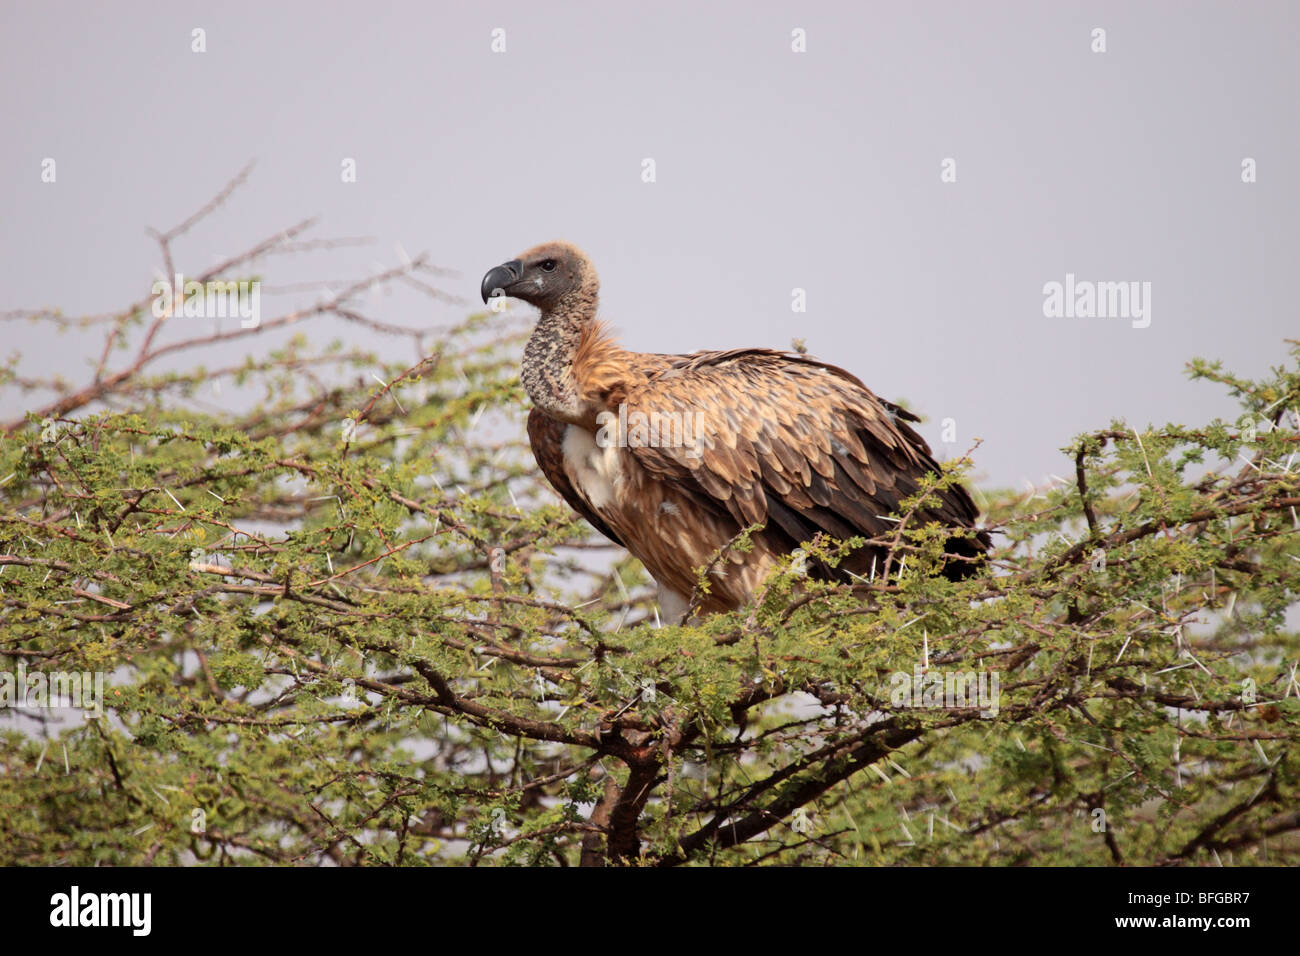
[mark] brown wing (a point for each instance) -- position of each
(786, 440)
(546, 435)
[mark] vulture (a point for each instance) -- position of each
(673, 456)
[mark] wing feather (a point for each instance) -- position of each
(784, 437)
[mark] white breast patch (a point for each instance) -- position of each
(596, 472)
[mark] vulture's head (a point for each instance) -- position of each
(544, 276)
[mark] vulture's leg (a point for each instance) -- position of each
(672, 606)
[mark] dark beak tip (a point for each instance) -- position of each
(499, 278)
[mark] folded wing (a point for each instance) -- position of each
(784, 440)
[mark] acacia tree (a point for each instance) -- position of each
(345, 621)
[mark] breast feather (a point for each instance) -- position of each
(597, 473)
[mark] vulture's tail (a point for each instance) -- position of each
(968, 555)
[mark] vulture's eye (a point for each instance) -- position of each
(548, 265)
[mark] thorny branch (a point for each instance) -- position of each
(385, 642)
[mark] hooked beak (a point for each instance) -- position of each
(501, 278)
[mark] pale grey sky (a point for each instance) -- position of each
(775, 170)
